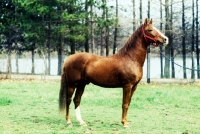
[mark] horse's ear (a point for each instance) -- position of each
(151, 21)
(145, 22)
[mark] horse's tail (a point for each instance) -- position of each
(63, 92)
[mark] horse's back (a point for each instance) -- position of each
(74, 65)
(79, 59)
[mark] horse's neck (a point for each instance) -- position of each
(135, 47)
(138, 52)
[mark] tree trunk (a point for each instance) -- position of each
(60, 55)
(103, 28)
(141, 12)
(86, 25)
(33, 58)
(161, 49)
(8, 75)
(116, 30)
(17, 63)
(183, 40)
(148, 49)
(107, 34)
(49, 47)
(92, 27)
(197, 39)
(17, 57)
(134, 20)
(193, 20)
(171, 42)
(73, 49)
(60, 48)
(167, 48)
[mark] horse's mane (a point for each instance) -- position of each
(130, 42)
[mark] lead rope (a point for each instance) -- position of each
(176, 63)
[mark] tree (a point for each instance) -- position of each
(140, 12)
(37, 29)
(91, 3)
(103, 27)
(9, 28)
(160, 47)
(116, 28)
(167, 48)
(171, 41)
(71, 28)
(87, 26)
(134, 18)
(197, 39)
(60, 47)
(192, 52)
(183, 40)
(107, 31)
(148, 49)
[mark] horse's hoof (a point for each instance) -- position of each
(126, 126)
(69, 124)
(83, 124)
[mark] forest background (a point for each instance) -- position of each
(63, 27)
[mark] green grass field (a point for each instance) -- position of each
(32, 107)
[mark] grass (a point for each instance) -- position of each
(32, 107)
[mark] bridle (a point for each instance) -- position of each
(151, 38)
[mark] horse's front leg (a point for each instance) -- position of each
(127, 94)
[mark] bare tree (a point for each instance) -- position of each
(167, 48)
(140, 11)
(161, 48)
(183, 39)
(116, 29)
(171, 41)
(134, 20)
(148, 49)
(193, 20)
(197, 39)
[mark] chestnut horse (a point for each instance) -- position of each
(123, 69)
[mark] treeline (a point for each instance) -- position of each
(53, 25)
(67, 26)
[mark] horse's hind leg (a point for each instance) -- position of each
(77, 100)
(69, 94)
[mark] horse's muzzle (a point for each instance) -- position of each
(166, 41)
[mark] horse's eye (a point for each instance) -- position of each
(149, 30)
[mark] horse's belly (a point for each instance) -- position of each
(104, 79)
(106, 84)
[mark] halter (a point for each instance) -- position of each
(151, 38)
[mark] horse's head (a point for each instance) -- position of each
(153, 35)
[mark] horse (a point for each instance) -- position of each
(123, 69)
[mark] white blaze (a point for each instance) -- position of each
(161, 34)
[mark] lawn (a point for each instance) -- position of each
(32, 107)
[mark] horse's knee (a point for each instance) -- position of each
(76, 102)
(125, 106)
